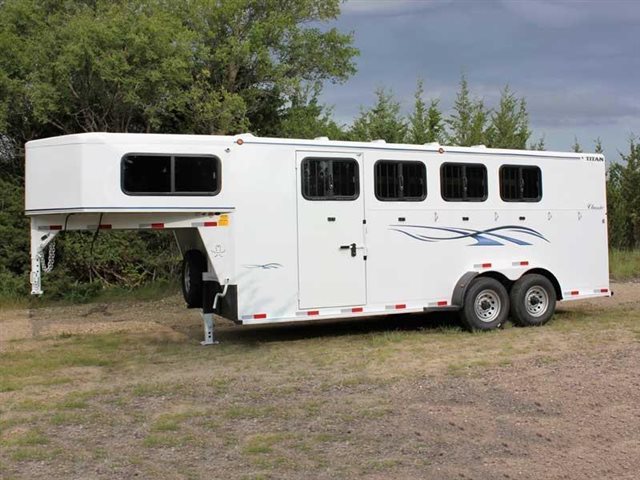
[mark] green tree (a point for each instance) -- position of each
(305, 117)
(539, 145)
(576, 147)
(426, 124)
(468, 123)
(623, 199)
(264, 50)
(597, 148)
(435, 122)
(382, 121)
(509, 124)
(156, 66)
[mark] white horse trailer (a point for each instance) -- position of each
(279, 230)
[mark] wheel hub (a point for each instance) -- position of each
(536, 301)
(487, 305)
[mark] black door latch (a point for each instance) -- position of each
(347, 247)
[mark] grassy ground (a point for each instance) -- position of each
(149, 291)
(624, 264)
(361, 399)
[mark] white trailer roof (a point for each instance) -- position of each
(248, 138)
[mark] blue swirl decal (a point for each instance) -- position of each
(488, 237)
(265, 266)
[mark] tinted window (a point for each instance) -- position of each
(400, 181)
(146, 174)
(463, 182)
(170, 175)
(520, 184)
(330, 179)
(196, 174)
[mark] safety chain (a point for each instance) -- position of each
(51, 257)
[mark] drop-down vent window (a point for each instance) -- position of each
(400, 181)
(330, 179)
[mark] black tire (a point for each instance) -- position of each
(533, 301)
(486, 304)
(193, 265)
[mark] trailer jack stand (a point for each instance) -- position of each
(210, 298)
(209, 338)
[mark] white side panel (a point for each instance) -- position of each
(264, 192)
(53, 177)
(220, 247)
(419, 250)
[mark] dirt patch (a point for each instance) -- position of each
(90, 319)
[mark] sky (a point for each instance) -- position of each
(577, 63)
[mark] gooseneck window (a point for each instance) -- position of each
(160, 174)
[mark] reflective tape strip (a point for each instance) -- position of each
(152, 225)
(482, 265)
(572, 293)
(601, 290)
(523, 263)
(204, 224)
(439, 303)
(353, 310)
(397, 306)
(255, 316)
(50, 227)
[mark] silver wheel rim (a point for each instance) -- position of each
(536, 301)
(187, 277)
(487, 306)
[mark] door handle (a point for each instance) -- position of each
(351, 247)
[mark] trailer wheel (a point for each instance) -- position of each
(486, 304)
(533, 301)
(193, 265)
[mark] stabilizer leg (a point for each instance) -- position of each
(40, 239)
(208, 295)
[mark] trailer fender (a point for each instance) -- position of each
(457, 299)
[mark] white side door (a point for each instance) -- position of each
(331, 254)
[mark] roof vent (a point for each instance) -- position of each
(378, 140)
(432, 144)
(322, 139)
(478, 146)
